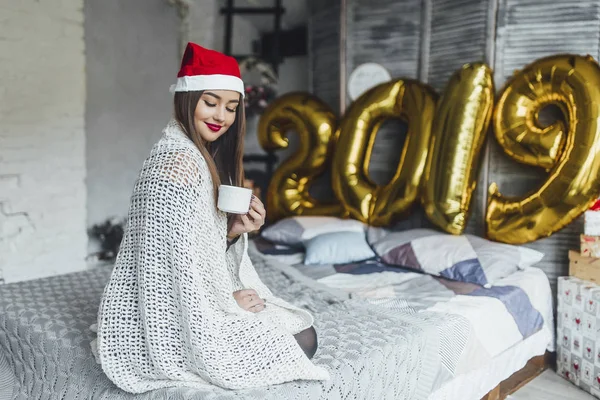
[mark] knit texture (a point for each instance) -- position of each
(371, 353)
(168, 316)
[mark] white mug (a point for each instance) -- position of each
(234, 199)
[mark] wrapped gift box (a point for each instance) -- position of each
(591, 224)
(578, 352)
(583, 267)
(590, 246)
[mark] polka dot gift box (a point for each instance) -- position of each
(578, 352)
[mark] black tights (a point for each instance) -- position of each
(307, 339)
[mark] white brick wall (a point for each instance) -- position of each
(42, 138)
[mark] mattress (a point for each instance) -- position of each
(477, 383)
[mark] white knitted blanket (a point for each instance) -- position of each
(168, 316)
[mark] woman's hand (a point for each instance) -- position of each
(249, 300)
(250, 222)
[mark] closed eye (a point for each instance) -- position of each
(230, 110)
(209, 104)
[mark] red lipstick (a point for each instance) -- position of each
(213, 127)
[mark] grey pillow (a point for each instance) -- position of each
(294, 231)
(337, 248)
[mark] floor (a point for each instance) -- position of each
(549, 386)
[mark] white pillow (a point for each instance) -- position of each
(293, 231)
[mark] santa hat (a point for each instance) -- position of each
(204, 69)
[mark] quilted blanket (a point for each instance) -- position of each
(371, 352)
(493, 318)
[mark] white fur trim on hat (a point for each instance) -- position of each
(208, 82)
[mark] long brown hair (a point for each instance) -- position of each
(225, 155)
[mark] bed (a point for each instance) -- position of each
(440, 339)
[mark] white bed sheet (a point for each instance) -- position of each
(477, 383)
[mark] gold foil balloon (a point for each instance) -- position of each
(364, 200)
(459, 129)
(315, 123)
(570, 152)
(516, 120)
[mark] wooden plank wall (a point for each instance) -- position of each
(324, 61)
(324, 50)
(430, 39)
(458, 34)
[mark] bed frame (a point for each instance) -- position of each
(533, 368)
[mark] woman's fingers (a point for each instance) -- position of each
(247, 223)
(255, 304)
(251, 221)
(258, 219)
(258, 206)
(256, 308)
(257, 212)
(249, 300)
(250, 297)
(253, 299)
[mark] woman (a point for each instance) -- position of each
(184, 305)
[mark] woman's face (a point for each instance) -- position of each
(215, 113)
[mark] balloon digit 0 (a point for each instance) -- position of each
(365, 201)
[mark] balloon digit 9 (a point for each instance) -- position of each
(459, 128)
(364, 200)
(573, 83)
(288, 192)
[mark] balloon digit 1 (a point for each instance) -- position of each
(314, 121)
(573, 83)
(459, 129)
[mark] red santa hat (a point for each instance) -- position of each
(205, 69)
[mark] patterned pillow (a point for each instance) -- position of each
(337, 248)
(293, 231)
(465, 258)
